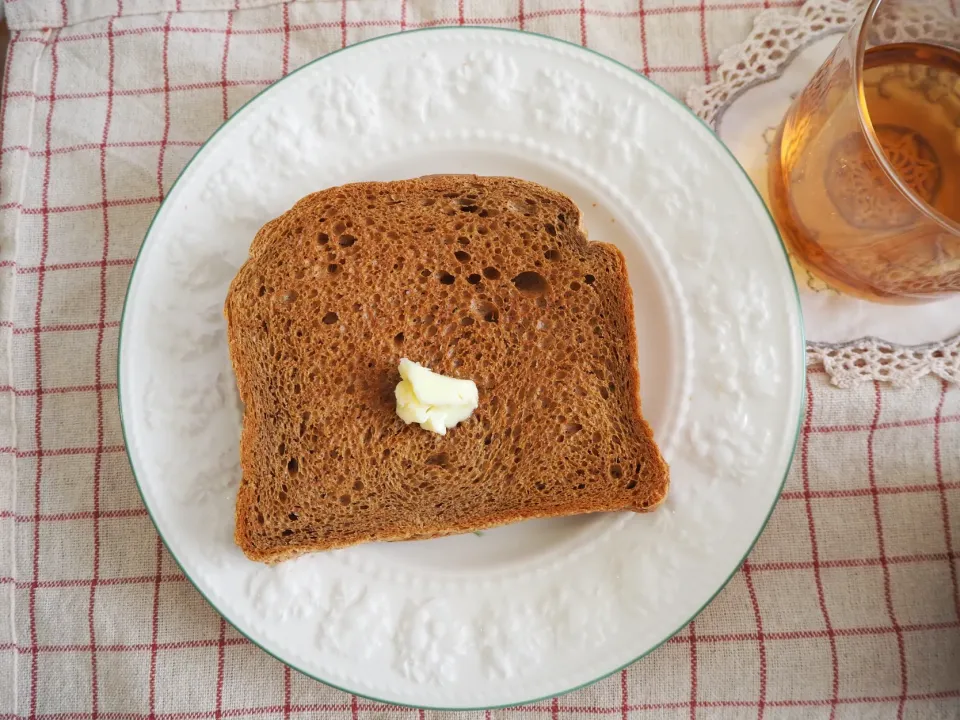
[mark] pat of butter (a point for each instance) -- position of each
(436, 402)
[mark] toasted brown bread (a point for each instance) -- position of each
(489, 279)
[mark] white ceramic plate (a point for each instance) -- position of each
(542, 607)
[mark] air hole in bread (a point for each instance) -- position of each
(466, 321)
(631, 485)
(473, 279)
(440, 460)
(323, 238)
(293, 467)
(345, 499)
(333, 268)
(552, 255)
(540, 486)
(427, 202)
(616, 471)
(488, 311)
(589, 279)
(358, 485)
(293, 516)
(575, 286)
(532, 283)
(572, 428)
(347, 240)
(491, 273)
(330, 318)
(462, 256)
(446, 278)
(398, 339)
(551, 230)
(339, 228)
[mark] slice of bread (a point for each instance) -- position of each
(484, 278)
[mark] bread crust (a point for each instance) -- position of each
(479, 277)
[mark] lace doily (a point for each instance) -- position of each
(780, 55)
(777, 36)
(871, 358)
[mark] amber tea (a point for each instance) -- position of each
(882, 233)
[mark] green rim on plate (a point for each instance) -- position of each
(801, 390)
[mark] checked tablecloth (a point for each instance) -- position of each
(849, 607)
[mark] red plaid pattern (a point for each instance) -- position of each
(848, 607)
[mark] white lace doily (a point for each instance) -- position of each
(853, 339)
